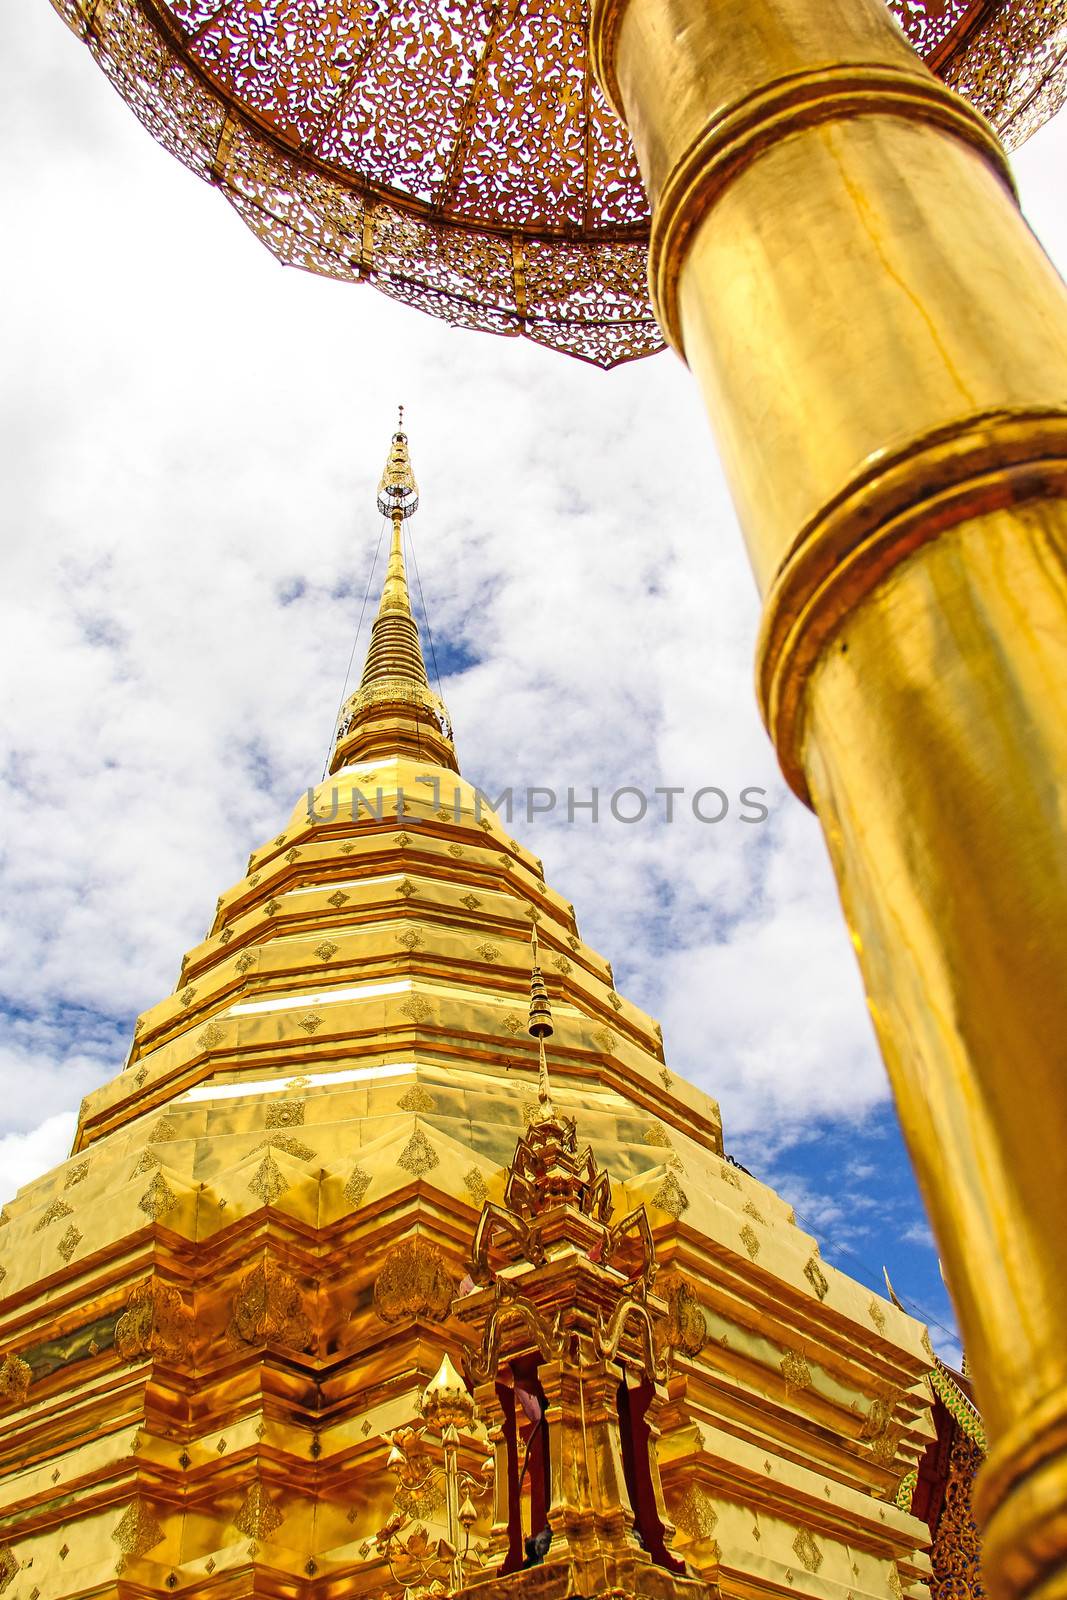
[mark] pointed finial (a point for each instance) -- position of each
(540, 1026)
(398, 493)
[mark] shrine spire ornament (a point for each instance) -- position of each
(394, 709)
(540, 1027)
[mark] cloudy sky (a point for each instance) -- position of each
(192, 436)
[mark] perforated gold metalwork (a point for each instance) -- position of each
(460, 155)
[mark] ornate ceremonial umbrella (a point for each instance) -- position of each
(458, 153)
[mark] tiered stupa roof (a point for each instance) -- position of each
(215, 1312)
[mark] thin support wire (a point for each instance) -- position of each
(835, 1247)
(425, 614)
(352, 657)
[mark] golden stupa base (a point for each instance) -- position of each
(603, 1574)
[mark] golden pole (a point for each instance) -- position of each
(882, 347)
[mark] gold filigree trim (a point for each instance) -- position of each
(357, 1186)
(671, 1197)
(158, 1199)
(413, 1282)
(817, 1278)
(807, 1551)
(257, 1516)
(418, 1156)
(286, 1114)
(416, 1099)
(137, 1533)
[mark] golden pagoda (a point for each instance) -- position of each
(396, 1261)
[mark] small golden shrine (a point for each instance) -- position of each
(376, 1271)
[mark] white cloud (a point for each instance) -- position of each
(24, 1156)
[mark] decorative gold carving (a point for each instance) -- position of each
(69, 1242)
(156, 1322)
(9, 1566)
(280, 840)
(417, 1008)
(695, 1514)
(257, 1517)
(817, 1278)
(666, 1079)
(285, 1114)
(406, 888)
(244, 961)
(272, 906)
(52, 1213)
(410, 938)
(357, 1186)
(877, 1315)
(955, 1555)
(614, 1001)
(140, 1077)
(924, 1340)
(605, 1039)
(455, 850)
(210, 1036)
(337, 899)
(77, 1174)
(158, 1198)
(325, 949)
(418, 1156)
(282, 1141)
(163, 1130)
(413, 1282)
(574, 942)
(254, 879)
(291, 855)
(471, 901)
(659, 1137)
(561, 964)
(225, 936)
(807, 1551)
(686, 1329)
(309, 1022)
(512, 1023)
(347, 848)
(488, 952)
(416, 1099)
(475, 1186)
(268, 1308)
(729, 1175)
(137, 1533)
(671, 1197)
(752, 1210)
(267, 1181)
(795, 1371)
(148, 1160)
(750, 1240)
(15, 1377)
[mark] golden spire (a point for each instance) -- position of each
(395, 651)
(540, 1026)
(394, 711)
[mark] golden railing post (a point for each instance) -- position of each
(882, 347)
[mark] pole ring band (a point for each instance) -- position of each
(744, 131)
(900, 502)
